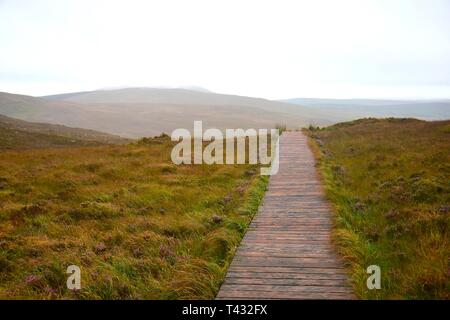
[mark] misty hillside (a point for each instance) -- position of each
(358, 108)
(138, 112)
(181, 97)
(19, 134)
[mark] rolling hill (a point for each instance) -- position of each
(138, 112)
(143, 112)
(360, 108)
(19, 134)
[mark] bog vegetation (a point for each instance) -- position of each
(17, 134)
(138, 226)
(389, 181)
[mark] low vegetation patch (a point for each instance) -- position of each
(138, 226)
(17, 134)
(389, 181)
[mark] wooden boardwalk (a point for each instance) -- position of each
(287, 251)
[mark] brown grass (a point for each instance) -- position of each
(138, 226)
(389, 181)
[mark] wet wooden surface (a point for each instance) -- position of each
(287, 251)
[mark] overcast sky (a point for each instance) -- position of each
(273, 49)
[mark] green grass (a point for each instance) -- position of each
(389, 182)
(138, 226)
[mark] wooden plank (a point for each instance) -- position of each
(287, 252)
(285, 281)
(281, 270)
(285, 295)
(285, 262)
(287, 288)
(284, 275)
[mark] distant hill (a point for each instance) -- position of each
(139, 112)
(19, 134)
(195, 88)
(358, 108)
(143, 112)
(176, 97)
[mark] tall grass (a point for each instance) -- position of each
(138, 226)
(389, 183)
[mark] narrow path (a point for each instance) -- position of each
(287, 252)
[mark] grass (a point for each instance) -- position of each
(281, 128)
(138, 226)
(389, 182)
(17, 139)
(20, 135)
